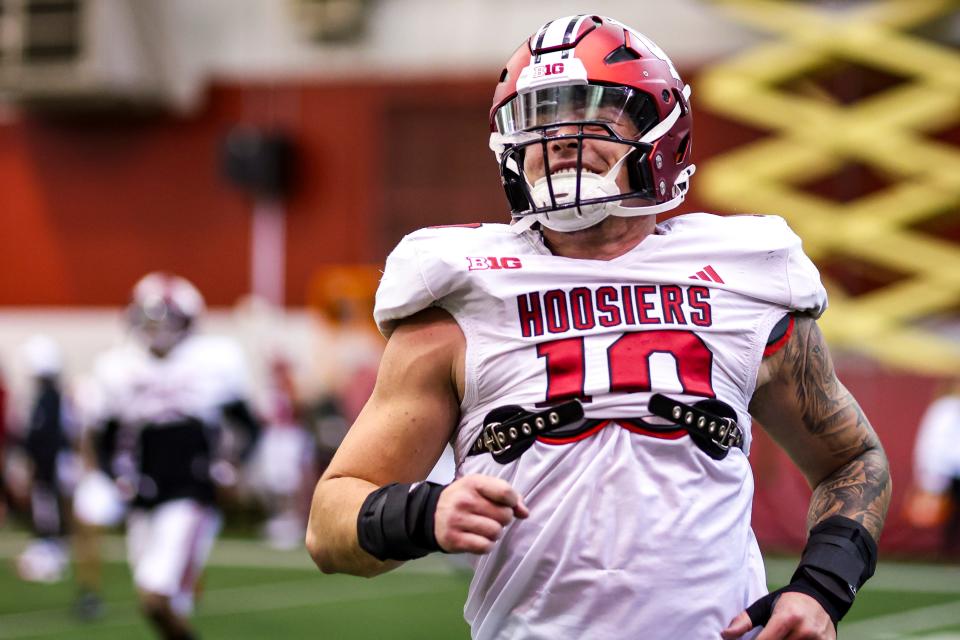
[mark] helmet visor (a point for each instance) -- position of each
(615, 105)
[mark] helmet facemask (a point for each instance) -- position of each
(579, 80)
(163, 311)
(576, 196)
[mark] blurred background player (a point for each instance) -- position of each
(48, 443)
(283, 465)
(3, 452)
(97, 503)
(348, 349)
(165, 398)
(935, 501)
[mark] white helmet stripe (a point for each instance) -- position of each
(537, 40)
(572, 29)
(555, 34)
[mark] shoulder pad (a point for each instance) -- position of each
(765, 253)
(428, 265)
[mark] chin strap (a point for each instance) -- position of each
(680, 186)
(522, 224)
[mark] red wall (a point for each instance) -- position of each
(87, 205)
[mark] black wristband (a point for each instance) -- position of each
(396, 521)
(839, 557)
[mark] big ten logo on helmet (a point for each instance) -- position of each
(491, 262)
(549, 69)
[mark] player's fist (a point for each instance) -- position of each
(472, 512)
(795, 616)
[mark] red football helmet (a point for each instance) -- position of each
(163, 310)
(574, 79)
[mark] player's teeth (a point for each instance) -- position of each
(569, 171)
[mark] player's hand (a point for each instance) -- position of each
(472, 512)
(795, 615)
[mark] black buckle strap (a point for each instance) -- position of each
(510, 430)
(713, 433)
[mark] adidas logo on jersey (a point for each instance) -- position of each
(491, 262)
(709, 274)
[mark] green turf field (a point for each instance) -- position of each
(254, 592)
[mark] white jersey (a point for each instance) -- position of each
(168, 410)
(194, 380)
(936, 459)
(630, 535)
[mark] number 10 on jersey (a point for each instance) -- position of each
(629, 361)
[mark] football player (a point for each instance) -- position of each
(597, 372)
(164, 399)
(935, 498)
(48, 441)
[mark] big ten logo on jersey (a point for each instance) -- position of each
(492, 262)
(549, 69)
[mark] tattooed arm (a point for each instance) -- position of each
(803, 406)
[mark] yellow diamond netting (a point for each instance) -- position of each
(888, 132)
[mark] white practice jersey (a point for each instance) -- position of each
(936, 458)
(168, 410)
(194, 380)
(631, 534)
